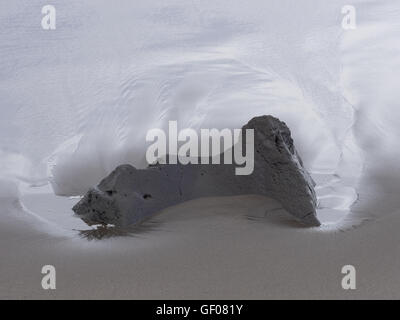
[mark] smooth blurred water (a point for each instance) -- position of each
(77, 101)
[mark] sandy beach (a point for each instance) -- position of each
(77, 101)
(226, 248)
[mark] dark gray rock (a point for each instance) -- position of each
(128, 196)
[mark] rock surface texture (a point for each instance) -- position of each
(128, 196)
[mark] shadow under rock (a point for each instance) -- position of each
(277, 216)
(106, 232)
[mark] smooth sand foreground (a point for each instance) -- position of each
(204, 249)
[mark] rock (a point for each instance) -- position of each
(128, 196)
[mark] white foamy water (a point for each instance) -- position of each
(77, 101)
